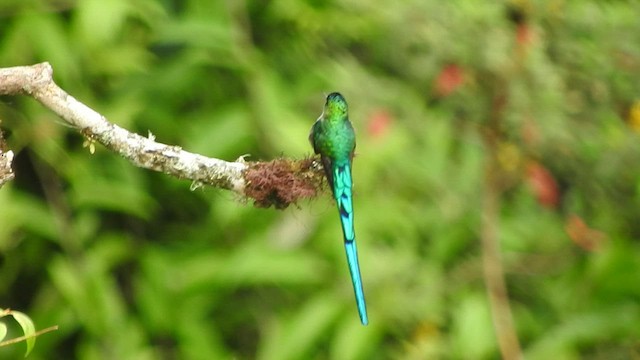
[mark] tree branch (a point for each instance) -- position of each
(6, 173)
(37, 82)
(496, 180)
(493, 270)
(6, 158)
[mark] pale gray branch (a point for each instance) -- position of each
(37, 81)
(6, 159)
(6, 173)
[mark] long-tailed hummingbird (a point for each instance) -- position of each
(332, 137)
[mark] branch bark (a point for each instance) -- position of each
(37, 81)
(6, 159)
(492, 266)
(495, 182)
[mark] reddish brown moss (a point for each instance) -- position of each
(282, 182)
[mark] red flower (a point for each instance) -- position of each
(543, 184)
(582, 235)
(449, 79)
(378, 124)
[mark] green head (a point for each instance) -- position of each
(336, 106)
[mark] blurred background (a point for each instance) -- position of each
(510, 122)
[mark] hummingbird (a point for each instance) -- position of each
(332, 137)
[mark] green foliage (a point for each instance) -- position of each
(133, 265)
(26, 324)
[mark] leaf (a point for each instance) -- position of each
(351, 340)
(298, 336)
(3, 331)
(471, 319)
(27, 327)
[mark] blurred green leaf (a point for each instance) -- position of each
(584, 329)
(98, 22)
(473, 328)
(294, 338)
(353, 340)
(27, 327)
(3, 331)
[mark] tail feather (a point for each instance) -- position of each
(342, 192)
(356, 279)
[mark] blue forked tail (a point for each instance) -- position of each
(342, 192)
